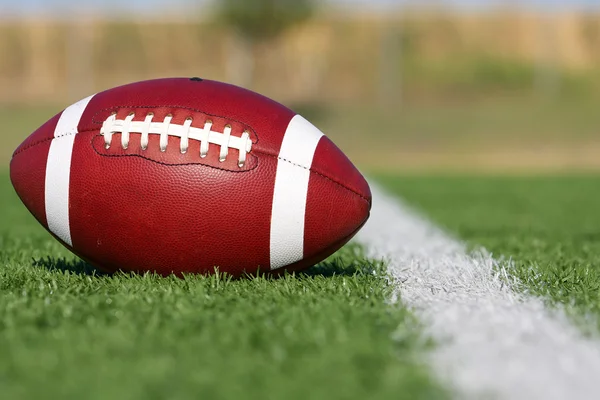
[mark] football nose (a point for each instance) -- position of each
(338, 201)
(330, 162)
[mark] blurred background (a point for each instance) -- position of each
(465, 85)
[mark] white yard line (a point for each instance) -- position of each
(492, 341)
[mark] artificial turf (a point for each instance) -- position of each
(547, 228)
(67, 332)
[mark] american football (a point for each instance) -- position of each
(187, 175)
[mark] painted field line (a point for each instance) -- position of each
(492, 341)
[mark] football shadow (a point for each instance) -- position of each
(336, 267)
(327, 268)
(76, 266)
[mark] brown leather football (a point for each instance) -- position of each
(188, 175)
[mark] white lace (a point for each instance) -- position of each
(185, 132)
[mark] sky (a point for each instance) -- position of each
(144, 7)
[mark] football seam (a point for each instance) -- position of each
(29, 146)
(319, 174)
(158, 162)
(174, 164)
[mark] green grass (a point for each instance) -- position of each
(549, 226)
(326, 334)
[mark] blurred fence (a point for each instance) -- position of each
(332, 57)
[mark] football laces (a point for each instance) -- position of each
(184, 132)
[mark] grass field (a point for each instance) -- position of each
(328, 333)
(549, 226)
(325, 334)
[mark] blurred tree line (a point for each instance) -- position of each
(256, 22)
(295, 51)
